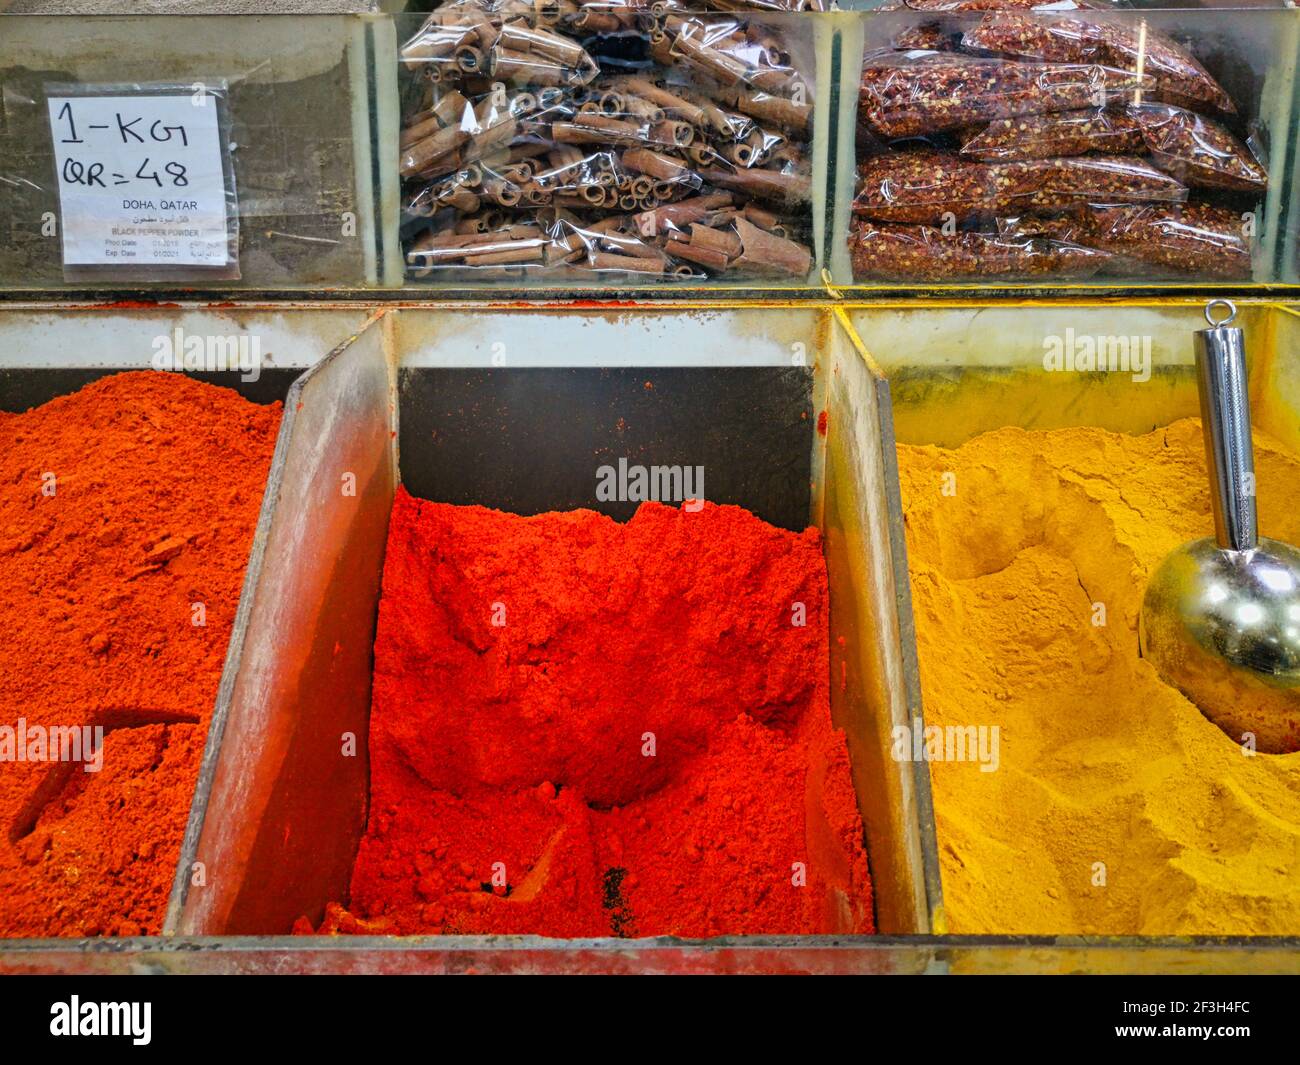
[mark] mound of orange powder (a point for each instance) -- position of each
(586, 728)
(124, 509)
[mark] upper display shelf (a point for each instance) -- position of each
(1076, 145)
(547, 147)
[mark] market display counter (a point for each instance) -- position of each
(802, 415)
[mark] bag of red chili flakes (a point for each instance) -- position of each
(1192, 148)
(913, 94)
(1127, 46)
(1196, 149)
(926, 253)
(1181, 238)
(946, 36)
(1060, 133)
(931, 187)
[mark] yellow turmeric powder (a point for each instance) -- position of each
(1115, 807)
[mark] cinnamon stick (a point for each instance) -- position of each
(766, 252)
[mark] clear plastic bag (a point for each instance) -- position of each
(912, 94)
(932, 187)
(1187, 239)
(568, 139)
(928, 37)
(964, 6)
(1091, 125)
(1057, 133)
(1128, 45)
(684, 240)
(944, 34)
(1197, 150)
(925, 253)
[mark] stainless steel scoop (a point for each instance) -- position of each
(1221, 618)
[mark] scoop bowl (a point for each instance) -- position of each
(1224, 628)
(1220, 619)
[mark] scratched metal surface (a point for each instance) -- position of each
(280, 803)
(823, 955)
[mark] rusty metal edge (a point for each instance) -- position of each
(235, 648)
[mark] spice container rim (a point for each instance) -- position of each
(919, 954)
(350, 942)
(930, 874)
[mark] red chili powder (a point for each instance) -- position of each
(156, 484)
(587, 728)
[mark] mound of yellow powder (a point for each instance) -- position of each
(1116, 806)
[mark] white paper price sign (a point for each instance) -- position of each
(141, 178)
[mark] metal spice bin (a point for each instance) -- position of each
(277, 813)
(958, 369)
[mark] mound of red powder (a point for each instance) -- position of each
(586, 728)
(123, 507)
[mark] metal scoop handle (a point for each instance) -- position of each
(1225, 421)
